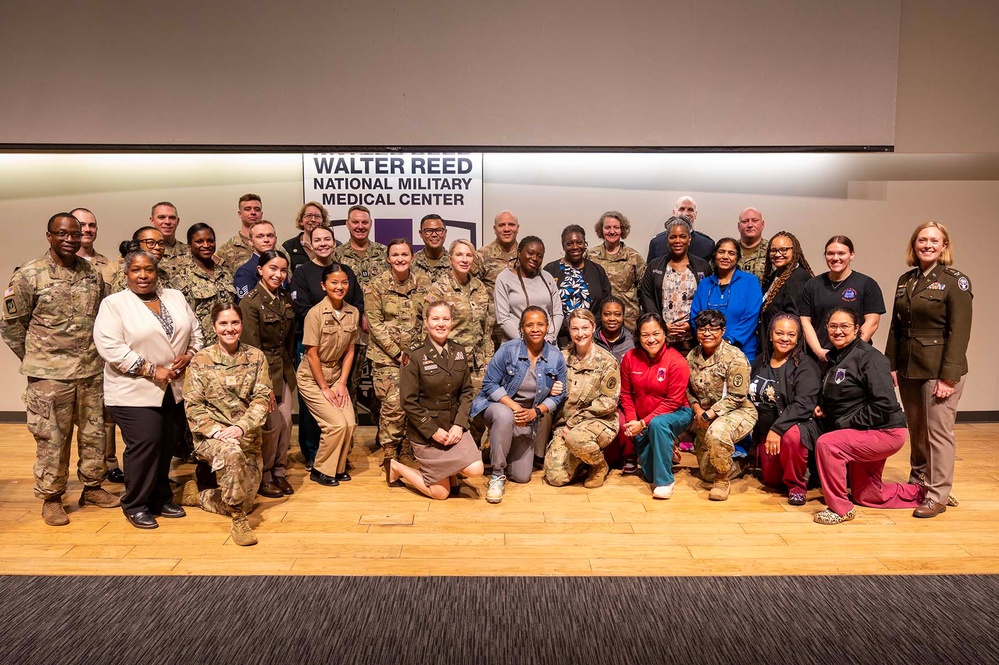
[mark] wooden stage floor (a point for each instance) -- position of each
(364, 528)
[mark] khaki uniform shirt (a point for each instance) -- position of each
(331, 335)
(593, 387)
(395, 315)
(625, 270)
(49, 314)
(721, 382)
(472, 316)
(220, 391)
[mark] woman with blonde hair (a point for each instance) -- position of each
(624, 266)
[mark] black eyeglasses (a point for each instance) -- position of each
(62, 235)
(780, 251)
(434, 232)
(152, 244)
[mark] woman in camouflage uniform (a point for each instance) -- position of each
(227, 394)
(588, 419)
(624, 266)
(393, 303)
(204, 281)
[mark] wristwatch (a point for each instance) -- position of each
(537, 410)
(704, 417)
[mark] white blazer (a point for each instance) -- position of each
(125, 330)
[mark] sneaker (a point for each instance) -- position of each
(241, 532)
(796, 498)
(720, 490)
(497, 485)
(630, 467)
(99, 496)
(829, 517)
(53, 513)
(663, 491)
(597, 475)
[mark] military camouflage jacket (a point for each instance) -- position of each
(624, 271)
(395, 315)
(436, 270)
(754, 262)
(593, 386)
(471, 315)
(721, 382)
(234, 252)
(202, 290)
(490, 261)
(220, 391)
(368, 266)
(48, 319)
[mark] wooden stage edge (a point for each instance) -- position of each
(365, 528)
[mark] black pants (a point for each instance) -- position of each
(150, 433)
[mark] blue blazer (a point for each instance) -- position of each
(740, 303)
(508, 368)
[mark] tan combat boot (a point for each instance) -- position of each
(241, 532)
(186, 494)
(53, 513)
(99, 496)
(720, 490)
(597, 475)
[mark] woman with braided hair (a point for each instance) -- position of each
(524, 285)
(784, 275)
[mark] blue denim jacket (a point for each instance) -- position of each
(508, 368)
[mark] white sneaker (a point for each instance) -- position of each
(663, 491)
(497, 485)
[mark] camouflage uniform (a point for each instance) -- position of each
(236, 251)
(105, 267)
(394, 314)
(120, 283)
(593, 386)
(436, 270)
(754, 262)
(624, 271)
(720, 383)
(203, 291)
(220, 391)
(49, 314)
(174, 256)
(490, 261)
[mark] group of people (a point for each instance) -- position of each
(601, 359)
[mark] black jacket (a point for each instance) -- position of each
(701, 246)
(787, 300)
(857, 390)
(650, 289)
(596, 282)
(797, 393)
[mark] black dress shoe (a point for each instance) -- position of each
(116, 476)
(323, 479)
(270, 490)
(142, 520)
(284, 485)
(171, 510)
(343, 477)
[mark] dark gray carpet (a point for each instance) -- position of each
(499, 620)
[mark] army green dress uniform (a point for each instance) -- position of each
(395, 319)
(928, 341)
(219, 391)
(435, 388)
(333, 335)
(49, 313)
(625, 270)
(204, 290)
(756, 260)
(720, 384)
(593, 387)
(435, 269)
(269, 325)
(490, 261)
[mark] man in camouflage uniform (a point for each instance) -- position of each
(496, 257)
(222, 391)
(237, 250)
(753, 244)
(723, 413)
(432, 259)
(588, 419)
(49, 312)
(472, 322)
(368, 259)
(395, 316)
(165, 219)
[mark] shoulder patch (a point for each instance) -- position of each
(612, 382)
(737, 381)
(963, 283)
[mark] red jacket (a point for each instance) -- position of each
(652, 388)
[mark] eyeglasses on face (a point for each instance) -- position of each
(434, 232)
(152, 244)
(780, 251)
(62, 235)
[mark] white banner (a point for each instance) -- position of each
(399, 189)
